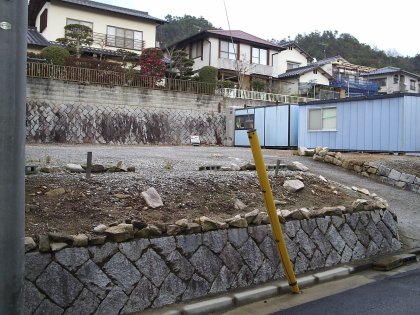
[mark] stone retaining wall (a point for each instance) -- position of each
(368, 169)
(149, 273)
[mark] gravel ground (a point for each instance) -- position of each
(153, 162)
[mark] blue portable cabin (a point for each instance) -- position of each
(382, 123)
(276, 125)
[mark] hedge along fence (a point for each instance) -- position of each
(93, 76)
(150, 272)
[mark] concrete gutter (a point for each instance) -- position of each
(228, 301)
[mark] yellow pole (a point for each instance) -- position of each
(271, 209)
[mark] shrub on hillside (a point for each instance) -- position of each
(57, 55)
(208, 74)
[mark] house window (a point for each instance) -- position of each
(322, 119)
(292, 65)
(260, 56)
(381, 82)
(43, 20)
(196, 50)
(412, 85)
(228, 50)
(244, 122)
(315, 71)
(85, 23)
(396, 79)
(124, 38)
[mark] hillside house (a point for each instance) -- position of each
(113, 27)
(236, 54)
(394, 80)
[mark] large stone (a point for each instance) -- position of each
(141, 297)
(306, 245)
(291, 228)
(197, 287)
(163, 245)
(231, 258)
(193, 228)
(48, 307)
(245, 277)
(250, 216)
(152, 198)
(265, 272)
(173, 229)
(269, 248)
(408, 178)
(223, 281)
(74, 168)
(56, 192)
(101, 228)
(239, 205)
(299, 214)
(292, 248)
(394, 175)
(237, 237)
(35, 263)
(337, 221)
(60, 238)
(308, 226)
(293, 185)
(188, 244)
(170, 291)
(348, 235)
(180, 265)
(122, 271)
(134, 249)
(389, 221)
(44, 243)
(80, 240)
(346, 255)
(320, 240)
(335, 239)
(332, 259)
(362, 234)
(55, 247)
(158, 273)
(323, 224)
(94, 279)
(149, 231)
(258, 233)
(207, 224)
(251, 255)
(86, 303)
(113, 303)
(237, 222)
(72, 258)
(383, 171)
(206, 263)
(32, 297)
(60, 285)
(297, 166)
(103, 253)
(374, 233)
(317, 261)
(359, 251)
(29, 244)
(301, 264)
(215, 240)
(332, 211)
(120, 232)
(352, 219)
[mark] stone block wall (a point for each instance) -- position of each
(370, 169)
(66, 112)
(149, 273)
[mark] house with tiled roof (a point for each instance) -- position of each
(234, 53)
(394, 80)
(293, 56)
(35, 40)
(112, 27)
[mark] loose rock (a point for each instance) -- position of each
(29, 244)
(99, 229)
(293, 185)
(152, 198)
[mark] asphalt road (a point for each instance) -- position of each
(399, 294)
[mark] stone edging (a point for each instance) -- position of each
(150, 273)
(381, 173)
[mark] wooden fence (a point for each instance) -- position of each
(93, 76)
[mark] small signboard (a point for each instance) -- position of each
(195, 140)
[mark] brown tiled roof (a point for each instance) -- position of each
(241, 35)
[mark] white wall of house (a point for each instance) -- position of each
(290, 55)
(317, 78)
(404, 83)
(58, 14)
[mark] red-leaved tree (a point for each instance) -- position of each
(151, 63)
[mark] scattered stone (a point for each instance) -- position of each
(395, 175)
(323, 178)
(97, 168)
(74, 168)
(318, 158)
(131, 169)
(251, 216)
(97, 240)
(364, 191)
(280, 203)
(182, 223)
(99, 229)
(239, 205)
(60, 238)
(50, 170)
(299, 214)
(138, 224)
(358, 205)
(333, 211)
(248, 167)
(80, 240)
(56, 192)
(122, 196)
(58, 246)
(207, 224)
(235, 167)
(120, 233)
(193, 228)
(297, 166)
(152, 198)
(237, 222)
(29, 244)
(173, 229)
(293, 185)
(44, 244)
(122, 167)
(354, 188)
(149, 231)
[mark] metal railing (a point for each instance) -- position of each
(263, 96)
(106, 40)
(105, 77)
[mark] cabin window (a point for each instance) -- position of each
(228, 50)
(396, 79)
(196, 50)
(322, 119)
(43, 20)
(260, 56)
(292, 65)
(244, 122)
(124, 38)
(412, 85)
(381, 82)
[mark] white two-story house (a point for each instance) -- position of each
(234, 53)
(113, 27)
(394, 80)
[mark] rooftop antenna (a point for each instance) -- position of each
(231, 39)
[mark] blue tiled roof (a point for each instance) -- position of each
(35, 38)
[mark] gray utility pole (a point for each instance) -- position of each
(13, 30)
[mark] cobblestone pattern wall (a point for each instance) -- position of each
(66, 112)
(150, 273)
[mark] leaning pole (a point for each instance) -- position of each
(13, 30)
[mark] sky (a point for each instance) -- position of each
(386, 25)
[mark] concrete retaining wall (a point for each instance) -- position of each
(149, 273)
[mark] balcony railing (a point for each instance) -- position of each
(247, 68)
(93, 76)
(265, 97)
(106, 41)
